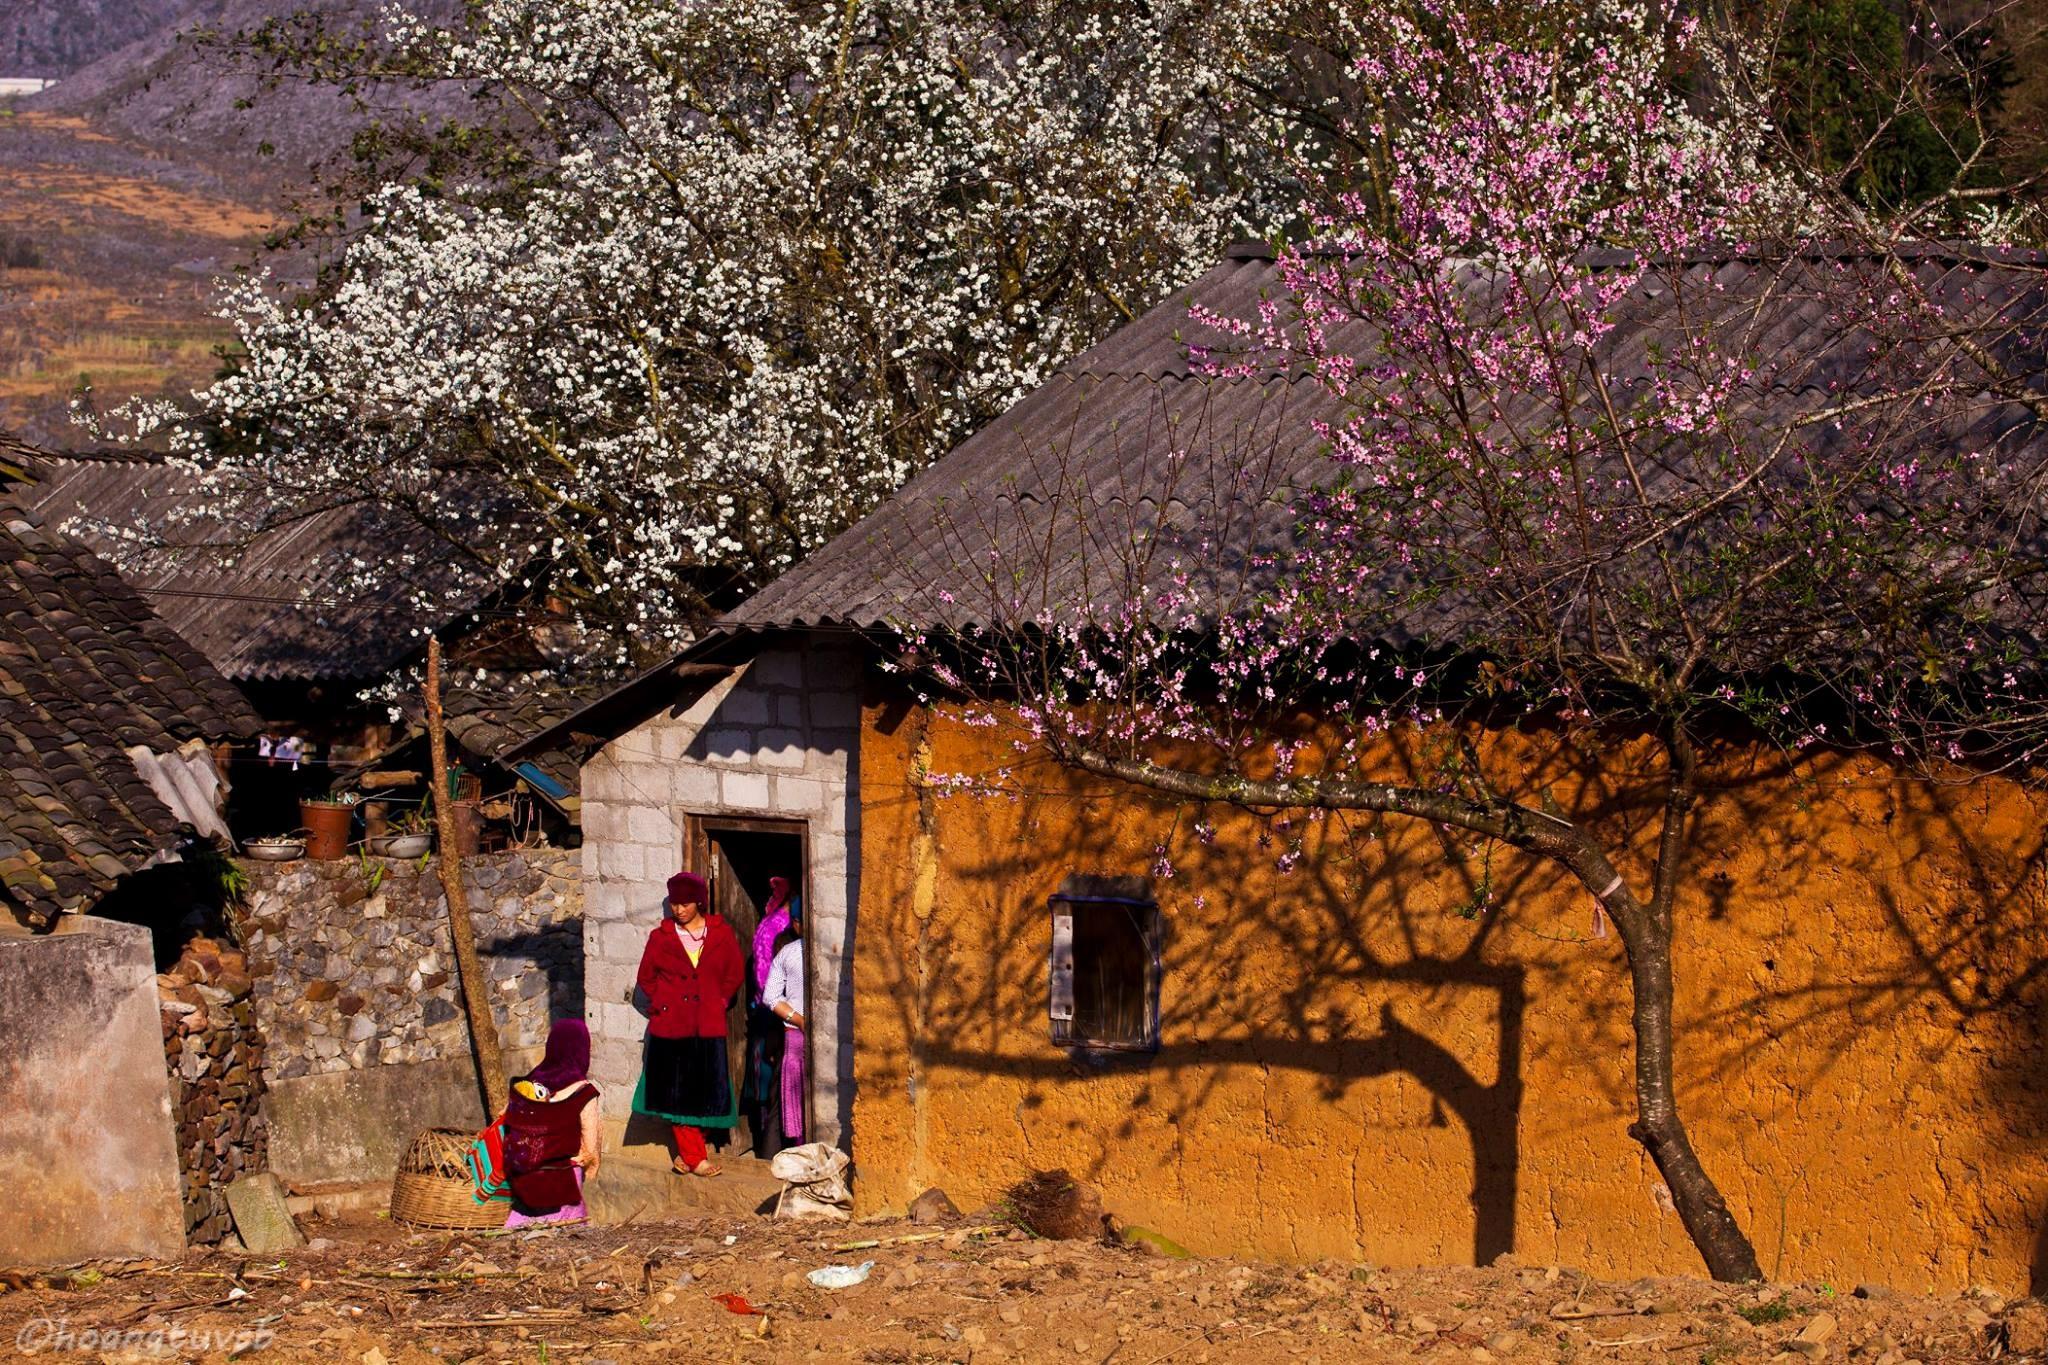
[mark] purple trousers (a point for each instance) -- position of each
(792, 1083)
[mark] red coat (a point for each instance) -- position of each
(688, 1001)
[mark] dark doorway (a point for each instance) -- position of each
(738, 857)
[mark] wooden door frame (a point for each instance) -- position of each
(697, 831)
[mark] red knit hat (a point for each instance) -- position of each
(687, 888)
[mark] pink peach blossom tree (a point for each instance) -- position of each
(1616, 435)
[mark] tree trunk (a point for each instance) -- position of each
(1645, 931)
(1701, 1209)
(483, 1029)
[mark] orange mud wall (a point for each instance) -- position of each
(1358, 1063)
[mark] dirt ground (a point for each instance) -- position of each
(367, 1292)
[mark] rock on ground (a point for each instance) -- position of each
(933, 1206)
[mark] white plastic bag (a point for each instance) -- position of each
(814, 1182)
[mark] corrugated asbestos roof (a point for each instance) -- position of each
(87, 671)
(1126, 422)
(334, 594)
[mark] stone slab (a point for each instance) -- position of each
(262, 1218)
(87, 1154)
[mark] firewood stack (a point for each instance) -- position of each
(215, 1054)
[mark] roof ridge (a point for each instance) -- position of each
(1728, 253)
(104, 455)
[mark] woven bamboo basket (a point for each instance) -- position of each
(432, 1188)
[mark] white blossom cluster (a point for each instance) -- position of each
(784, 254)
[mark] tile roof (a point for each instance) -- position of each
(1118, 417)
(17, 458)
(88, 671)
(331, 595)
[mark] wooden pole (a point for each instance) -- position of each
(483, 1029)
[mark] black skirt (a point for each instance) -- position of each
(687, 1080)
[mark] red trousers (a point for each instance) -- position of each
(689, 1144)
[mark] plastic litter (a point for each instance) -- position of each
(737, 1303)
(840, 1276)
(1156, 1243)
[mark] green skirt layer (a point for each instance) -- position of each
(693, 1120)
(692, 1070)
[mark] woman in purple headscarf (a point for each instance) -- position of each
(553, 1131)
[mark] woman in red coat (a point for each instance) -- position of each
(689, 973)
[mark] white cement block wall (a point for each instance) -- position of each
(780, 739)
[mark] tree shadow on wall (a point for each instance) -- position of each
(1386, 931)
(556, 950)
(1354, 1009)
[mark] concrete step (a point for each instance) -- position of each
(339, 1200)
(634, 1184)
(636, 1181)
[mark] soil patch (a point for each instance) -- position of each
(369, 1293)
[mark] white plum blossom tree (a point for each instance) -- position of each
(764, 262)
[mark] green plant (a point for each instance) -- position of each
(373, 870)
(1759, 1314)
(212, 865)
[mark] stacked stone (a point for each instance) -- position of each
(354, 966)
(214, 1048)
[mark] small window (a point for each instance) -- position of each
(1104, 986)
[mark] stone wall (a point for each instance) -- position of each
(779, 739)
(353, 968)
(85, 1125)
(355, 991)
(214, 1050)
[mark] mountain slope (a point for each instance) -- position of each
(185, 89)
(129, 188)
(53, 38)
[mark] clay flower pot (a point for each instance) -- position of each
(327, 825)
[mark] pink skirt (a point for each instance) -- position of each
(568, 1213)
